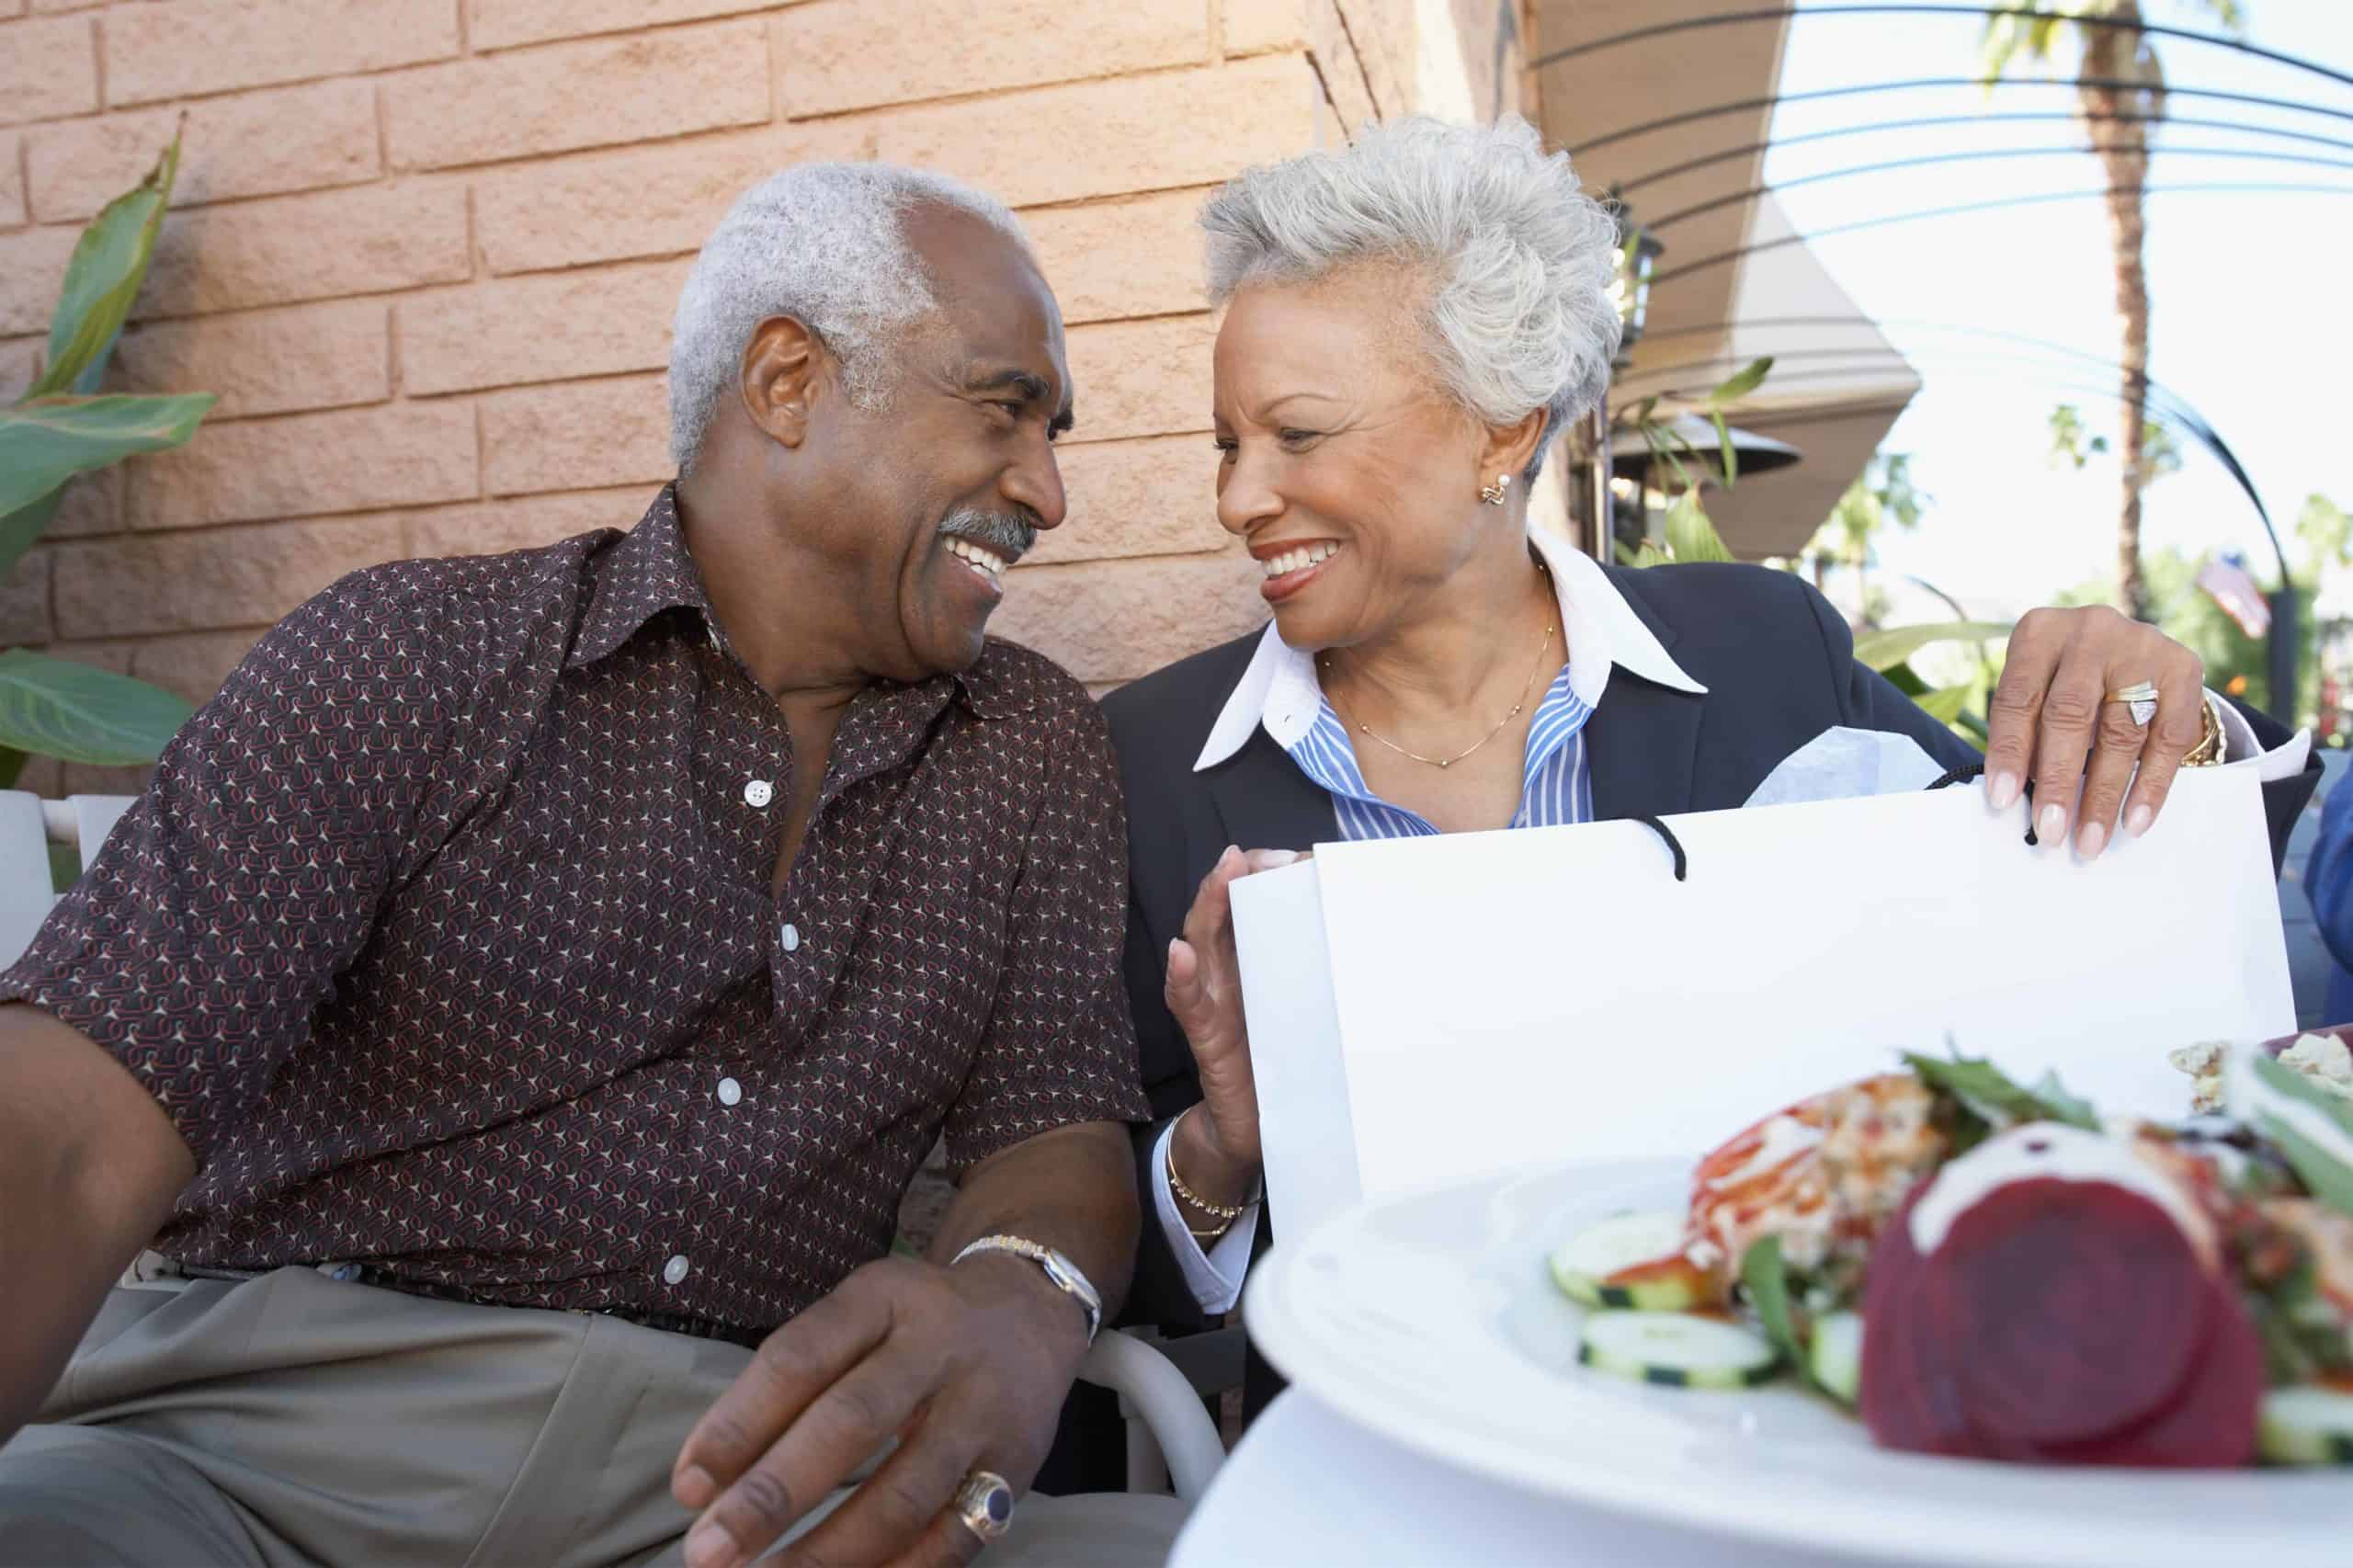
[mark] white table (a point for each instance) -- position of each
(1306, 1485)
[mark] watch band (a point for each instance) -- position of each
(1064, 1275)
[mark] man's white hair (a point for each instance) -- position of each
(1517, 260)
(824, 243)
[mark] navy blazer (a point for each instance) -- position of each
(1778, 662)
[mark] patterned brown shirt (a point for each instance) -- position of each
(444, 936)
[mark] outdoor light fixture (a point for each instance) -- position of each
(1630, 288)
(1752, 452)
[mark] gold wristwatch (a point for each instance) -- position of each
(1064, 1275)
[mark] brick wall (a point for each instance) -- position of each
(427, 251)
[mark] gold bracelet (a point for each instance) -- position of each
(2213, 743)
(1228, 1213)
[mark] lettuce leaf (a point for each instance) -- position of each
(1997, 1099)
(1767, 1281)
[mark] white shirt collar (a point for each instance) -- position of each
(1281, 692)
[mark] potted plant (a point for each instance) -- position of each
(61, 427)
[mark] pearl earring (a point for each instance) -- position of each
(1493, 493)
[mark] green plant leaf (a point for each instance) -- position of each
(1690, 535)
(1993, 1096)
(1768, 1284)
(47, 441)
(1741, 382)
(1726, 458)
(1881, 649)
(1945, 703)
(57, 708)
(109, 263)
(20, 527)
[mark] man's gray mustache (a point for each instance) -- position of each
(1009, 536)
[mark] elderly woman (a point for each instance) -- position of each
(1408, 324)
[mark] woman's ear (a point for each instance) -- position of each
(784, 372)
(1509, 449)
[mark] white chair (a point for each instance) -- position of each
(1172, 1441)
(29, 825)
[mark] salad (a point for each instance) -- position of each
(1980, 1267)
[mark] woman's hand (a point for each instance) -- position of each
(2049, 719)
(1217, 1149)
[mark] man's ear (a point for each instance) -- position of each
(783, 375)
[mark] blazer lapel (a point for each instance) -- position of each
(1266, 802)
(1642, 743)
(1640, 746)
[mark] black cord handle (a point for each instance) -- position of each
(1682, 861)
(1976, 770)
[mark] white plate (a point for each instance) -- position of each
(1431, 1320)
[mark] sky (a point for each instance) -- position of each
(2251, 292)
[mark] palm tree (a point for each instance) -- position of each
(1882, 496)
(2121, 94)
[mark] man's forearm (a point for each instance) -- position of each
(1072, 1189)
(89, 1166)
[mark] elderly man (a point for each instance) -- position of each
(534, 979)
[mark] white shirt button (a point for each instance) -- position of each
(730, 1091)
(791, 937)
(758, 792)
(674, 1270)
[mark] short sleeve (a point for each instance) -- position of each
(1060, 1047)
(247, 876)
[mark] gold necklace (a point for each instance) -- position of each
(1525, 688)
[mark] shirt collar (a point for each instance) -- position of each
(1279, 692)
(639, 575)
(649, 570)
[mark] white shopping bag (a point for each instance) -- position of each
(1425, 1011)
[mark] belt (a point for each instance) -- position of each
(383, 1279)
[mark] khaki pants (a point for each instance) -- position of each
(295, 1420)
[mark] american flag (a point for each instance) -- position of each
(2226, 580)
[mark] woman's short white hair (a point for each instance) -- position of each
(824, 243)
(1518, 259)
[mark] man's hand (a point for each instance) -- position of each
(2049, 719)
(966, 1366)
(1204, 993)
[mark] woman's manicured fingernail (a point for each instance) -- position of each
(711, 1547)
(2003, 791)
(2091, 841)
(694, 1487)
(1281, 857)
(2137, 820)
(2052, 825)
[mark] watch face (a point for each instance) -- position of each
(1059, 1269)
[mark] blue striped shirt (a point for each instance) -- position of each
(1555, 789)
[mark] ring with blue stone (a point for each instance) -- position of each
(986, 1504)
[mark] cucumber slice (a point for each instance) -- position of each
(1676, 1351)
(1582, 1264)
(2306, 1424)
(1835, 1356)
